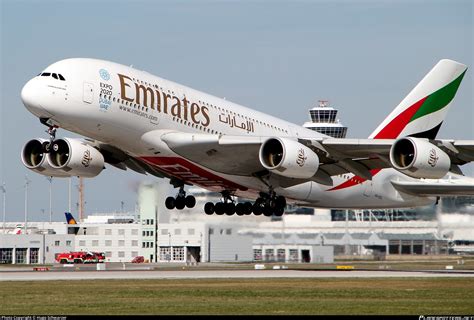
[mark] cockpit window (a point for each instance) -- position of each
(56, 76)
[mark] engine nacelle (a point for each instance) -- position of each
(419, 158)
(34, 158)
(288, 158)
(76, 158)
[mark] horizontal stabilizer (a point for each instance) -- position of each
(456, 187)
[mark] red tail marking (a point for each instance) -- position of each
(393, 129)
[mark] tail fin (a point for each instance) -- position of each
(69, 218)
(423, 110)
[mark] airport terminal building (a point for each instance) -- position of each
(189, 236)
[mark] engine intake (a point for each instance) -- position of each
(75, 157)
(34, 158)
(418, 158)
(288, 158)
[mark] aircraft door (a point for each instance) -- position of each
(88, 95)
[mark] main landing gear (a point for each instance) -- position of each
(267, 204)
(228, 206)
(180, 201)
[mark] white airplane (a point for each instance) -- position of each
(135, 120)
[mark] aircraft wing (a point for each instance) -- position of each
(236, 155)
(339, 152)
(455, 187)
(239, 155)
(121, 160)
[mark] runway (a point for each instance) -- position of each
(219, 274)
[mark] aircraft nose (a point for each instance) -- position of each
(27, 95)
(31, 95)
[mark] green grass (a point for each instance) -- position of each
(241, 296)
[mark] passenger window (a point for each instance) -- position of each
(55, 76)
(61, 77)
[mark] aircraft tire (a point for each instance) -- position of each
(247, 208)
(240, 209)
(209, 208)
(229, 208)
(180, 203)
(170, 203)
(219, 208)
(190, 201)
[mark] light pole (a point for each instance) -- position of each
(69, 191)
(4, 190)
(27, 183)
(50, 179)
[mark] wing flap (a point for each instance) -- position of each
(237, 155)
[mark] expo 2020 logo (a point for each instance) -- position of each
(104, 74)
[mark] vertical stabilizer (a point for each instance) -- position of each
(69, 218)
(423, 110)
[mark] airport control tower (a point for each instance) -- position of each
(323, 120)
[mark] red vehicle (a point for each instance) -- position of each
(138, 259)
(80, 257)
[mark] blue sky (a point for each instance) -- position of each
(277, 57)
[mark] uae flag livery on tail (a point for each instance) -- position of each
(423, 110)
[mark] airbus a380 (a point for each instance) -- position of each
(133, 119)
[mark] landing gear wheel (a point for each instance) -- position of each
(240, 209)
(209, 208)
(280, 202)
(170, 203)
(219, 208)
(229, 208)
(180, 203)
(257, 207)
(267, 211)
(190, 201)
(247, 208)
(279, 211)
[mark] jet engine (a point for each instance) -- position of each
(288, 158)
(418, 158)
(34, 158)
(75, 158)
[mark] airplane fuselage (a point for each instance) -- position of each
(120, 105)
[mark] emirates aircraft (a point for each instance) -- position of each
(133, 119)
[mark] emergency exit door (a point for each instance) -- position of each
(88, 96)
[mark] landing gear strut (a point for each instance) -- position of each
(52, 135)
(180, 201)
